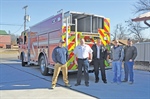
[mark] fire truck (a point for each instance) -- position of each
(37, 43)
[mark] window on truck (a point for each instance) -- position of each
(97, 24)
(25, 39)
(85, 22)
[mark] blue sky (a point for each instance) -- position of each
(11, 11)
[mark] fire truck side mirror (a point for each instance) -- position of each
(17, 41)
(25, 39)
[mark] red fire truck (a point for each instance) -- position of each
(36, 45)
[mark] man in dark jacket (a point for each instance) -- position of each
(99, 55)
(60, 57)
(130, 54)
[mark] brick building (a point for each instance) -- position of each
(5, 39)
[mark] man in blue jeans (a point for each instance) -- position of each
(117, 55)
(130, 55)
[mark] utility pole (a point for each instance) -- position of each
(25, 17)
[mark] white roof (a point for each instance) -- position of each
(145, 15)
(142, 17)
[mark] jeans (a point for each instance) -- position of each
(117, 69)
(128, 69)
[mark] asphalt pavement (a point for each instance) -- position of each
(17, 82)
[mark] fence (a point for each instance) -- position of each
(143, 50)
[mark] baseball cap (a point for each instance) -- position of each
(61, 41)
(129, 39)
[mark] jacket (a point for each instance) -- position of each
(117, 53)
(60, 55)
(103, 52)
(130, 53)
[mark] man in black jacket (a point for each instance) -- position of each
(130, 55)
(99, 55)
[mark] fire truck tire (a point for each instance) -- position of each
(51, 71)
(43, 67)
(22, 60)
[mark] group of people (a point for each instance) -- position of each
(120, 54)
(97, 54)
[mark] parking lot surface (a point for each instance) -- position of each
(17, 82)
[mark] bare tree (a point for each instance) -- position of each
(120, 32)
(142, 6)
(114, 34)
(135, 30)
(13, 38)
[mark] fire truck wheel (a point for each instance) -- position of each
(51, 71)
(22, 60)
(43, 67)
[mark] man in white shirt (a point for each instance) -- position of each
(83, 52)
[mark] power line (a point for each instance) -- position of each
(18, 29)
(11, 24)
(13, 32)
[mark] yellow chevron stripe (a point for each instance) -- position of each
(106, 26)
(102, 38)
(71, 39)
(74, 67)
(108, 20)
(71, 60)
(106, 34)
(69, 29)
(103, 41)
(72, 47)
(108, 37)
(63, 37)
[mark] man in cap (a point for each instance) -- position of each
(60, 57)
(130, 55)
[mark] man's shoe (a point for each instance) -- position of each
(77, 84)
(87, 85)
(96, 81)
(53, 86)
(124, 80)
(67, 85)
(130, 82)
(105, 82)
